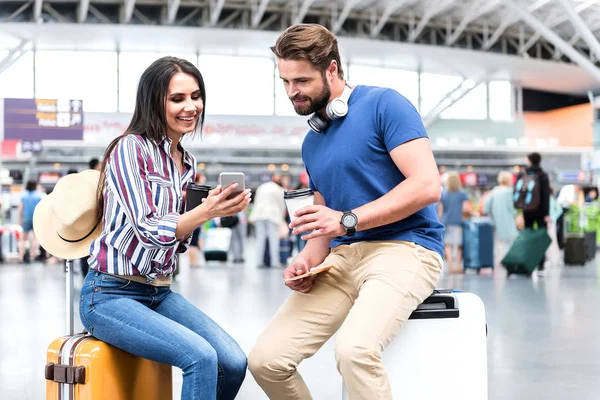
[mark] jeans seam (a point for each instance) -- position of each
(167, 344)
(221, 375)
(82, 314)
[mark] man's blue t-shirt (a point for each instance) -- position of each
(350, 164)
(453, 207)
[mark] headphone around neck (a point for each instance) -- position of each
(335, 109)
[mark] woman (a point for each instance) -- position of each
(556, 211)
(126, 300)
(453, 205)
(499, 206)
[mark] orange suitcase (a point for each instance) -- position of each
(82, 367)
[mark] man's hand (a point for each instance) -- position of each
(547, 219)
(322, 221)
(298, 267)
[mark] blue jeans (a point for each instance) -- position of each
(160, 325)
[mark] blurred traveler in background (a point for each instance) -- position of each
(538, 216)
(567, 197)
(267, 216)
(553, 252)
(29, 201)
(499, 205)
(591, 196)
(94, 164)
(453, 205)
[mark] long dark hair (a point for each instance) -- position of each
(149, 117)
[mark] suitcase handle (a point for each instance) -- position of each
(68, 374)
(437, 306)
(69, 290)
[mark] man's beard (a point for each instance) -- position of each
(314, 105)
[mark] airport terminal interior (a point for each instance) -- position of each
(501, 86)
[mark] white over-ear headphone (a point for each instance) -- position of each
(335, 109)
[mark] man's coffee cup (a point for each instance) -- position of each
(296, 199)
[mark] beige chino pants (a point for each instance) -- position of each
(368, 295)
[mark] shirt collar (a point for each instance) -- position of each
(165, 143)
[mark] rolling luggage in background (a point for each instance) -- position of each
(9, 248)
(83, 367)
(285, 252)
(590, 240)
(527, 251)
(576, 249)
(580, 247)
(217, 243)
(441, 352)
(478, 243)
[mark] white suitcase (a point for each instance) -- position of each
(216, 244)
(441, 352)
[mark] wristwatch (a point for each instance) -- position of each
(349, 221)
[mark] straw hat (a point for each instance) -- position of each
(64, 222)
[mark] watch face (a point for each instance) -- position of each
(349, 220)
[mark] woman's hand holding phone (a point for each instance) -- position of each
(218, 203)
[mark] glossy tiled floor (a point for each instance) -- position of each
(543, 342)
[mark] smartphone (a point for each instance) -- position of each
(227, 178)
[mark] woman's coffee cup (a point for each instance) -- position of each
(194, 195)
(296, 199)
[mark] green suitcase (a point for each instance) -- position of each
(527, 251)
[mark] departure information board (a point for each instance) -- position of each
(43, 119)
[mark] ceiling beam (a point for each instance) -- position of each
(13, 55)
(96, 13)
(189, 16)
(430, 13)
(264, 24)
(303, 10)
(37, 10)
(459, 92)
(172, 8)
(227, 20)
(82, 10)
(52, 11)
(556, 40)
(216, 6)
(581, 27)
(348, 6)
(258, 13)
(18, 12)
(126, 11)
(471, 15)
(554, 22)
(508, 22)
(391, 8)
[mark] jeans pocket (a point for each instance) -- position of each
(112, 284)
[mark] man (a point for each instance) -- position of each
(568, 196)
(375, 182)
(540, 214)
(267, 216)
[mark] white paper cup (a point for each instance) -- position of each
(296, 199)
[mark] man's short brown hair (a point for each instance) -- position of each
(311, 42)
